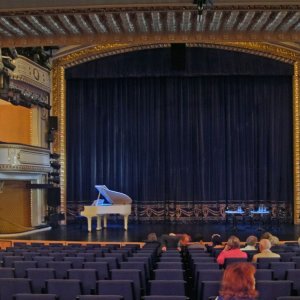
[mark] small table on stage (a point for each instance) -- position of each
(261, 213)
(234, 213)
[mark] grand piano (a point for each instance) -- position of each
(108, 202)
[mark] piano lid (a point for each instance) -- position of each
(112, 197)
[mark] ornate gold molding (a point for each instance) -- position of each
(296, 140)
(98, 51)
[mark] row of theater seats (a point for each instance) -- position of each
(131, 273)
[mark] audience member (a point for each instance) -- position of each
(264, 248)
(199, 244)
(231, 250)
(238, 282)
(216, 242)
(250, 243)
(183, 242)
(266, 235)
(169, 241)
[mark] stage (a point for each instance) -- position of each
(137, 232)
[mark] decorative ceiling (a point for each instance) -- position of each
(78, 22)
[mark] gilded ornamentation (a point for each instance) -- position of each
(97, 51)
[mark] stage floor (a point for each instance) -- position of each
(138, 232)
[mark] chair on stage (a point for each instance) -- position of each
(65, 289)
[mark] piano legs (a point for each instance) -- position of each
(99, 226)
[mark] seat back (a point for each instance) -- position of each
(42, 261)
(264, 262)
(133, 274)
(231, 260)
(263, 274)
(169, 274)
(101, 268)
(38, 277)
(271, 289)
(124, 288)
(60, 267)
(88, 278)
(280, 269)
(77, 262)
(22, 266)
(206, 275)
(99, 297)
(209, 288)
(12, 286)
(167, 287)
(35, 297)
(65, 289)
(7, 272)
(294, 275)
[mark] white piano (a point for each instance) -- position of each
(111, 203)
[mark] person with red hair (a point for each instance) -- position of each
(238, 282)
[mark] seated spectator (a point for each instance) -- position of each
(183, 242)
(231, 250)
(264, 248)
(169, 241)
(216, 242)
(238, 282)
(266, 235)
(250, 243)
(275, 244)
(199, 244)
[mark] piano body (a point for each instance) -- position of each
(111, 203)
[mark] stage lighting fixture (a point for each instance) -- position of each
(13, 52)
(7, 62)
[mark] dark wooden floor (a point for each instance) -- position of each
(138, 232)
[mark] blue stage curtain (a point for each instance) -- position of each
(172, 138)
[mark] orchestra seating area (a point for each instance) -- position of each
(131, 272)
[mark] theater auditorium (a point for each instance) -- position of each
(127, 125)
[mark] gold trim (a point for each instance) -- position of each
(97, 51)
(296, 141)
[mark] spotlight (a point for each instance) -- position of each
(55, 165)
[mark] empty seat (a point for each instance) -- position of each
(65, 289)
(87, 256)
(101, 268)
(12, 286)
(22, 266)
(271, 289)
(7, 272)
(77, 262)
(264, 262)
(99, 297)
(169, 274)
(133, 274)
(280, 269)
(206, 275)
(288, 298)
(38, 277)
(60, 267)
(42, 261)
(263, 274)
(294, 275)
(112, 262)
(8, 261)
(164, 298)
(209, 289)
(137, 265)
(169, 265)
(231, 260)
(88, 278)
(167, 287)
(35, 297)
(296, 259)
(124, 288)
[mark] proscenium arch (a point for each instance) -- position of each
(97, 51)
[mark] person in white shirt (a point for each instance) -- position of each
(250, 243)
